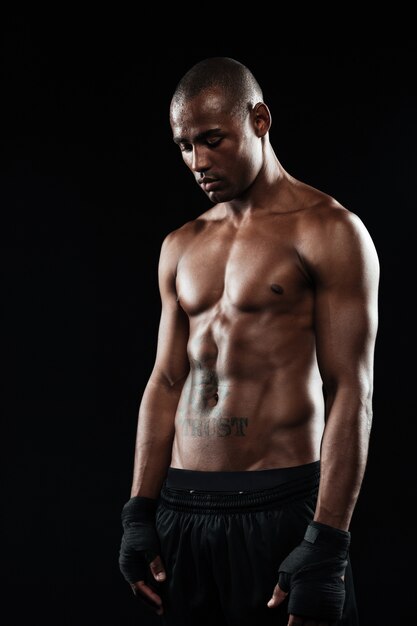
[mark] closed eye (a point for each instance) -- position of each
(213, 141)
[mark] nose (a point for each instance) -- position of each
(200, 161)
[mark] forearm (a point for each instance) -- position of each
(154, 438)
(343, 457)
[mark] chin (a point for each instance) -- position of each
(221, 196)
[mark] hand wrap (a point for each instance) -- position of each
(312, 573)
(140, 542)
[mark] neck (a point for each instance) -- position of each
(265, 186)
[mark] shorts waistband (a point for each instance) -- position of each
(206, 492)
(237, 480)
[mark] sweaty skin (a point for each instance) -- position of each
(268, 323)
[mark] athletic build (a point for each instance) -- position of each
(269, 318)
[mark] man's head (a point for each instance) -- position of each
(219, 121)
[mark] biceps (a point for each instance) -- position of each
(346, 327)
(171, 355)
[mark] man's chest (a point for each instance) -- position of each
(248, 272)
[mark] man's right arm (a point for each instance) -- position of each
(139, 556)
(155, 430)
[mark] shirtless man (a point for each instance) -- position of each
(253, 429)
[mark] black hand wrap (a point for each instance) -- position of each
(140, 542)
(312, 573)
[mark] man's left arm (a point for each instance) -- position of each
(343, 263)
(346, 274)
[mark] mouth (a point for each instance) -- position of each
(209, 184)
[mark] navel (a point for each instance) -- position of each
(277, 289)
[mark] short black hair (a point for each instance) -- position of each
(237, 82)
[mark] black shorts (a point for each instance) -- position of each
(223, 536)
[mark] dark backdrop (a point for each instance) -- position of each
(91, 183)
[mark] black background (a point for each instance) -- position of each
(91, 183)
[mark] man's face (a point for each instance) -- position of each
(222, 150)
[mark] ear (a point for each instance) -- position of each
(261, 119)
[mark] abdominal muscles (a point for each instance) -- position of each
(253, 398)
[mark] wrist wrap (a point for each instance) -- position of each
(312, 573)
(140, 542)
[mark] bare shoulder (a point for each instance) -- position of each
(323, 217)
(178, 239)
(330, 234)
